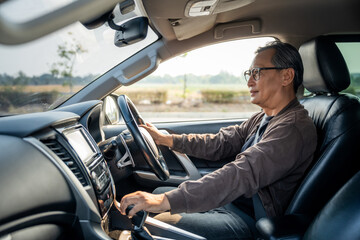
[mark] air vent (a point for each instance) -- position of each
(64, 155)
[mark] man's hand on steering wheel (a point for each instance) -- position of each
(159, 137)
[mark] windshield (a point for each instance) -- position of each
(40, 75)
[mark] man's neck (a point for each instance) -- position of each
(278, 106)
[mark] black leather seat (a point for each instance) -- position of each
(339, 219)
(337, 119)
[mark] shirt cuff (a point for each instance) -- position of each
(177, 201)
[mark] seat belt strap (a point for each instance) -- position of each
(259, 209)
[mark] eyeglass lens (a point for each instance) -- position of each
(253, 72)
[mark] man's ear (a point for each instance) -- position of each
(288, 76)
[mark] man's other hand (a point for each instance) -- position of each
(155, 203)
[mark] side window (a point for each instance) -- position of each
(203, 84)
(351, 54)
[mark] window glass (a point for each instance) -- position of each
(42, 74)
(351, 54)
(206, 83)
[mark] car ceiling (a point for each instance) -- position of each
(294, 21)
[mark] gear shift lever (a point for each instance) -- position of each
(138, 219)
(138, 231)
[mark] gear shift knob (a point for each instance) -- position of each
(139, 231)
(138, 219)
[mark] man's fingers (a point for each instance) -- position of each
(143, 126)
(144, 201)
(131, 199)
(147, 128)
(127, 200)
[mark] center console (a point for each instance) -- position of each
(92, 161)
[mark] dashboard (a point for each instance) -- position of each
(57, 176)
(53, 174)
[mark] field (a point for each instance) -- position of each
(156, 102)
(176, 92)
(192, 105)
(45, 88)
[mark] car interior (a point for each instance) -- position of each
(64, 170)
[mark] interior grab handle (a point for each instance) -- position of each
(148, 63)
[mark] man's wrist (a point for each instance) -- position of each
(167, 140)
(165, 203)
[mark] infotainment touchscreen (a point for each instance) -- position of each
(82, 147)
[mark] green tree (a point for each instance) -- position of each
(65, 67)
(19, 82)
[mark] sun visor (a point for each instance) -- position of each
(201, 16)
(198, 8)
(189, 27)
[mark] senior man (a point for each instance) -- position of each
(274, 148)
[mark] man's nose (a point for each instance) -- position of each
(251, 81)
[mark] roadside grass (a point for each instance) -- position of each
(150, 98)
(176, 92)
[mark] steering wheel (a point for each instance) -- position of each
(142, 138)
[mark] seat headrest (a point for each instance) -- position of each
(325, 70)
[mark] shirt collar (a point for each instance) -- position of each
(293, 103)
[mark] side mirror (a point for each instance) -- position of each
(111, 110)
(131, 31)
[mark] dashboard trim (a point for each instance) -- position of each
(14, 125)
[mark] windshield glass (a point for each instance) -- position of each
(202, 84)
(40, 75)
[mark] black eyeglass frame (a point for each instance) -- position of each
(249, 73)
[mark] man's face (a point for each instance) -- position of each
(267, 88)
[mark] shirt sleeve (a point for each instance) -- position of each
(269, 160)
(225, 143)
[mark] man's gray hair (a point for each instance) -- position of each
(286, 56)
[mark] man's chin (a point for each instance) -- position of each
(253, 100)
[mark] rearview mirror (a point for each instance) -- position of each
(131, 31)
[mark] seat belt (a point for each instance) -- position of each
(259, 209)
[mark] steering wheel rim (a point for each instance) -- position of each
(142, 138)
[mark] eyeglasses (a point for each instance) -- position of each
(255, 72)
